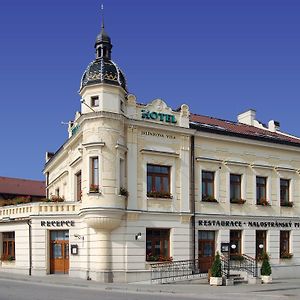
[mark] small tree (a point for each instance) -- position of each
(216, 268)
(265, 267)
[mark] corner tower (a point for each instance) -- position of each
(103, 84)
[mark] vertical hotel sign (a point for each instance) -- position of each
(153, 115)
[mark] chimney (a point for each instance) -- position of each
(247, 117)
(274, 125)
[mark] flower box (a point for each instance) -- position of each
(94, 188)
(206, 198)
(263, 202)
(158, 258)
(237, 201)
(287, 204)
(286, 255)
(159, 195)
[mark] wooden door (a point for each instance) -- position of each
(59, 252)
(206, 249)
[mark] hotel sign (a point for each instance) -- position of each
(250, 224)
(153, 115)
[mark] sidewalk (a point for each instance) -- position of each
(279, 289)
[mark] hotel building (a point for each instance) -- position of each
(139, 183)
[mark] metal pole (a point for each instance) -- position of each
(30, 246)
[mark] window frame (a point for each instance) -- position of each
(205, 182)
(94, 179)
(95, 101)
(235, 184)
(236, 240)
(162, 238)
(154, 191)
(260, 186)
(285, 237)
(286, 189)
(6, 242)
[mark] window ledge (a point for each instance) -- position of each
(159, 198)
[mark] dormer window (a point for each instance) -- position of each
(95, 101)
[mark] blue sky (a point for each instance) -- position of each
(220, 57)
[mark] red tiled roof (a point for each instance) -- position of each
(235, 128)
(22, 187)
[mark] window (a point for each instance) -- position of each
(208, 179)
(94, 187)
(8, 246)
(158, 244)
(285, 192)
(261, 191)
(78, 186)
(94, 101)
(235, 243)
(235, 188)
(158, 181)
(261, 243)
(122, 105)
(285, 244)
(57, 192)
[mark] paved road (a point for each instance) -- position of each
(54, 288)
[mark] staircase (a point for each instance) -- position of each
(241, 269)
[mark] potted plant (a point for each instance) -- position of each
(216, 271)
(94, 188)
(266, 271)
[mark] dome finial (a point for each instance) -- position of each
(102, 14)
(103, 43)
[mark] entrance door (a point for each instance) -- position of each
(59, 252)
(261, 243)
(206, 249)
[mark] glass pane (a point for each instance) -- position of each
(210, 235)
(165, 184)
(157, 184)
(57, 250)
(210, 189)
(166, 246)
(149, 184)
(150, 168)
(207, 251)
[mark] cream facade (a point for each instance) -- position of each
(127, 189)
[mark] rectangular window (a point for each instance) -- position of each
(158, 244)
(94, 101)
(8, 246)
(94, 186)
(285, 244)
(235, 244)
(57, 192)
(158, 181)
(78, 186)
(235, 188)
(261, 190)
(261, 243)
(208, 179)
(284, 192)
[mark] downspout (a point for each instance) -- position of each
(193, 218)
(30, 246)
(47, 183)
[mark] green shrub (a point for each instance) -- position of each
(216, 268)
(265, 267)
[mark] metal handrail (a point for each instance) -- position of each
(244, 263)
(171, 271)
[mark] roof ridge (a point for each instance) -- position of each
(23, 179)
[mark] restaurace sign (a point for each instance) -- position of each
(153, 115)
(251, 224)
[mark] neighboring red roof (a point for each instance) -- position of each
(22, 187)
(235, 128)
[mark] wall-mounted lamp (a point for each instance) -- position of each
(80, 237)
(260, 246)
(138, 236)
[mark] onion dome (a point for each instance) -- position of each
(103, 69)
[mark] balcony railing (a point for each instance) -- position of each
(38, 208)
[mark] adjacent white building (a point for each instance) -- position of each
(138, 183)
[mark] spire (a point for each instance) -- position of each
(103, 42)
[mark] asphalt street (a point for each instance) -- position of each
(14, 287)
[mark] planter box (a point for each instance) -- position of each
(266, 279)
(215, 281)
